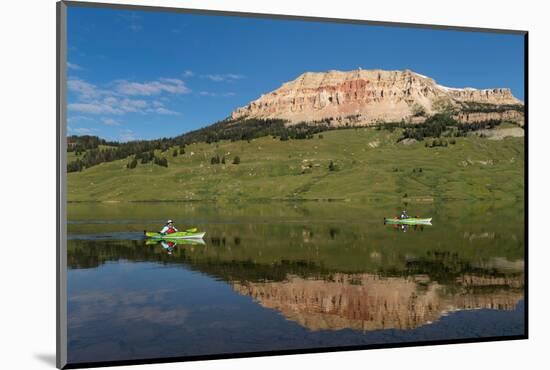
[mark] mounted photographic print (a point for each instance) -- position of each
(236, 184)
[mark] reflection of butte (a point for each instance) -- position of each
(369, 302)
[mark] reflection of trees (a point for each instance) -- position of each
(219, 261)
(91, 253)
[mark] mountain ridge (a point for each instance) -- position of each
(366, 97)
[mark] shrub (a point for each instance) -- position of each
(236, 160)
(418, 110)
(215, 160)
(162, 161)
(132, 164)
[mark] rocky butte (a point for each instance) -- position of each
(366, 97)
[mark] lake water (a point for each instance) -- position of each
(286, 276)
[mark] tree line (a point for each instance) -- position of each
(90, 154)
(82, 143)
(441, 124)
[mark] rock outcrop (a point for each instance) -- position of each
(474, 117)
(364, 97)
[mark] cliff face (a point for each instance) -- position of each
(363, 97)
(369, 302)
(508, 115)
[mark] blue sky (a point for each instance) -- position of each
(143, 75)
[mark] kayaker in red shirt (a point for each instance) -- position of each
(169, 228)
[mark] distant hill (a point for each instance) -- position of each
(350, 164)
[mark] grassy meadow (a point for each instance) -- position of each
(368, 164)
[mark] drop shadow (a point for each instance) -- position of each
(47, 358)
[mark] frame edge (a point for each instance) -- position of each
(61, 150)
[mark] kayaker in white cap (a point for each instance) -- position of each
(404, 215)
(169, 228)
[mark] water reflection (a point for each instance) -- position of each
(406, 293)
(405, 228)
(169, 245)
(295, 277)
(373, 302)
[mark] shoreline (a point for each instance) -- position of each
(423, 200)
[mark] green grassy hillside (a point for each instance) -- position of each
(367, 164)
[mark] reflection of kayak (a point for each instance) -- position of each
(191, 234)
(408, 221)
(193, 241)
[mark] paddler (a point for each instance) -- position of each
(404, 215)
(169, 228)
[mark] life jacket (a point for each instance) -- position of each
(171, 230)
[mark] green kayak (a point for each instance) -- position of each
(408, 221)
(188, 234)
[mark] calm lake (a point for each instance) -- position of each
(278, 276)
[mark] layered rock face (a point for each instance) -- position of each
(363, 97)
(508, 115)
(369, 302)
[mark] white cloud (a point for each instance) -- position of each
(127, 135)
(82, 130)
(223, 77)
(111, 105)
(74, 66)
(110, 121)
(162, 110)
(188, 73)
(213, 94)
(169, 85)
(94, 108)
(84, 89)
(132, 105)
(79, 118)
(90, 99)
